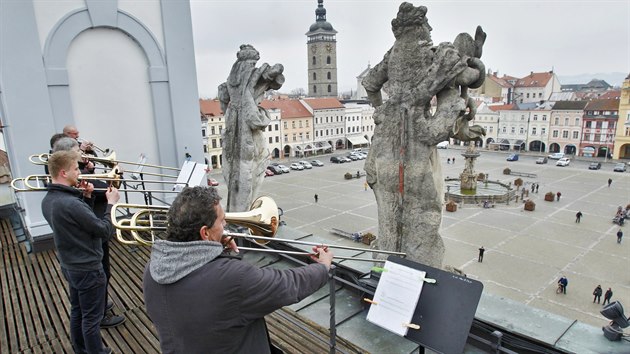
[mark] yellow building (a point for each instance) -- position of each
(621, 149)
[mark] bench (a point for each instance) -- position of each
(523, 174)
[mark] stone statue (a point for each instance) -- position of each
(402, 166)
(244, 147)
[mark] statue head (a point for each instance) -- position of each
(411, 19)
(247, 52)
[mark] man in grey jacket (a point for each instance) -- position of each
(202, 301)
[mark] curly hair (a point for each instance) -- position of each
(408, 16)
(193, 208)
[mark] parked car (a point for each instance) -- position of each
(337, 159)
(284, 168)
(269, 173)
(443, 145)
(296, 166)
(541, 160)
(556, 156)
(358, 155)
(352, 157)
(594, 166)
(620, 167)
(563, 162)
(305, 164)
(275, 169)
(317, 163)
(345, 159)
(512, 157)
(213, 182)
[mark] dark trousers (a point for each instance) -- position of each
(598, 298)
(107, 271)
(87, 291)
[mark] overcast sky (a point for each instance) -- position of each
(572, 37)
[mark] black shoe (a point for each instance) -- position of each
(109, 305)
(112, 321)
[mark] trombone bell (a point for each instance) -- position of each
(261, 219)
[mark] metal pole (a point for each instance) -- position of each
(333, 322)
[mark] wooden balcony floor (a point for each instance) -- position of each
(35, 306)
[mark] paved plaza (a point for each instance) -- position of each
(526, 252)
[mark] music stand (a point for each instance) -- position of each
(445, 310)
(192, 174)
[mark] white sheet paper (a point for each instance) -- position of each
(396, 297)
(192, 174)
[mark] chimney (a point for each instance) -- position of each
(531, 73)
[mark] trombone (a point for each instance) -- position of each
(35, 183)
(262, 220)
(109, 161)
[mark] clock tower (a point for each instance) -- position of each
(322, 56)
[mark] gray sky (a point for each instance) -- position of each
(572, 37)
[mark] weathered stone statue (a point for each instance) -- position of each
(244, 147)
(402, 166)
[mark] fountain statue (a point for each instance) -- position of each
(468, 177)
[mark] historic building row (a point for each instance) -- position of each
(297, 128)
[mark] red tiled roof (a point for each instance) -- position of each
(610, 94)
(534, 80)
(502, 81)
(602, 105)
(323, 103)
(210, 108)
(288, 108)
(502, 107)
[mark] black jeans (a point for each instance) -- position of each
(87, 291)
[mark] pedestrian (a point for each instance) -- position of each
(453, 160)
(607, 296)
(619, 236)
(597, 294)
(481, 251)
(558, 196)
(537, 185)
(609, 182)
(365, 185)
(316, 198)
(533, 187)
(578, 216)
(563, 282)
(448, 161)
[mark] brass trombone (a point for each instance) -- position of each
(108, 161)
(262, 220)
(35, 183)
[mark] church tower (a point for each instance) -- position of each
(322, 56)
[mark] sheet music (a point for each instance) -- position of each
(192, 174)
(396, 297)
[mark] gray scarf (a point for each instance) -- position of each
(171, 261)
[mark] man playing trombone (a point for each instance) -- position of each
(202, 300)
(77, 234)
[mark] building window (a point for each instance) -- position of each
(314, 76)
(504, 129)
(566, 122)
(328, 75)
(300, 124)
(535, 116)
(270, 140)
(542, 131)
(307, 123)
(203, 132)
(534, 131)
(556, 121)
(205, 148)
(212, 130)
(286, 138)
(214, 143)
(286, 125)
(314, 61)
(539, 94)
(555, 133)
(329, 87)
(277, 139)
(565, 134)
(314, 89)
(521, 130)
(513, 130)
(293, 124)
(294, 137)
(544, 117)
(276, 127)
(576, 135)
(577, 121)
(328, 60)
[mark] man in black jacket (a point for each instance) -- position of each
(202, 301)
(78, 235)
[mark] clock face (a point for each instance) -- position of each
(313, 48)
(329, 47)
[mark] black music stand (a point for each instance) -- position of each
(445, 310)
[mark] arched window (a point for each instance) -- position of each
(314, 60)
(314, 76)
(314, 89)
(329, 88)
(328, 75)
(327, 60)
